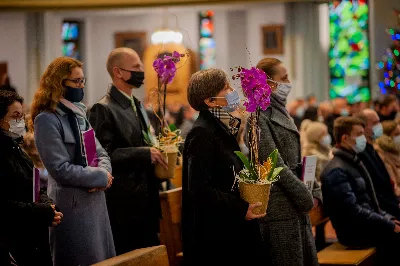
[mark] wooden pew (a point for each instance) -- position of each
(319, 220)
(170, 229)
(152, 256)
(337, 254)
(177, 180)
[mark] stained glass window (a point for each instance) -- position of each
(349, 59)
(207, 41)
(70, 36)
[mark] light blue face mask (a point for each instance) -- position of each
(300, 112)
(377, 131)
(361, 143)
(233, 100)
(344, 112)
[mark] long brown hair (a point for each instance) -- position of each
(51, 88)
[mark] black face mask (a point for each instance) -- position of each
(137, 78)
(74, 95)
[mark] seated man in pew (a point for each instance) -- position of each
(349, 196)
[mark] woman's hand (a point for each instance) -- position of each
(110, 179)
(316, 202)
(250, 215)
(57, 216)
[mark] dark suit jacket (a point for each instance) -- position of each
(381, 179)
(215, 231)
(134, 195)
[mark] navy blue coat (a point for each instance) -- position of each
(350, 201)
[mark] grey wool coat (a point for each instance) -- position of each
(286, 229)
(84, 236)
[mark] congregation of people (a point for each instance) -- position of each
(89, 213)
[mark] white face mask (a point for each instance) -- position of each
(396, 139)
(361, 144)
(282, 89)
(17, 127)
(326, 140)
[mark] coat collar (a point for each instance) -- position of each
(208, 120)
(119, 97)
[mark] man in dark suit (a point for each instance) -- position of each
(375, 166)
(119, 120)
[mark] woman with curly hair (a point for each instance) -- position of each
(59, 119)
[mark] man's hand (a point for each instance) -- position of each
(57, 216)
(157, 157)
(110, 180)
(250, 215)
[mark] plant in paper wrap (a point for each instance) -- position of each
(169, 138)
(259, 173)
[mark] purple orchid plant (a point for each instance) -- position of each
(257, 93)
(255, 88)
(165, 68)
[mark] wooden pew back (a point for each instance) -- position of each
(170, 229)
(152, 256)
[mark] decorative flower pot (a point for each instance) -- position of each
(164, 174)
(253, 193)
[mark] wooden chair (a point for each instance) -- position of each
(337, 254)
(152, 256)
(170, 229)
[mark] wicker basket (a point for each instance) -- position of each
(253, 193)
(169, 173)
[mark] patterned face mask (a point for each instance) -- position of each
(232, 123)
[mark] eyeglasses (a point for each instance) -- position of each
(78, 81)
(17, 119)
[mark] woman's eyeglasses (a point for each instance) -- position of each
(78, 81)
(19, 118)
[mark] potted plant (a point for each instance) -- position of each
(169, 139)
(256, 178)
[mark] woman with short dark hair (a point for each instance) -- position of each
(24, 225)
(218, 226)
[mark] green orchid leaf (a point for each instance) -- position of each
(147, 138)
(172, 127)
(247, 165)
(274, 160)
(276, 173)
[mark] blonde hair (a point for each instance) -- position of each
(51, 86)
(313, 132)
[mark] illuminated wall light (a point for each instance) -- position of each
(392, 83)
(166, 36)
(381, 65)
(396, 52)
(381, 85)
(386, 75)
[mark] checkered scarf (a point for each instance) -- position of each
(231, 122)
